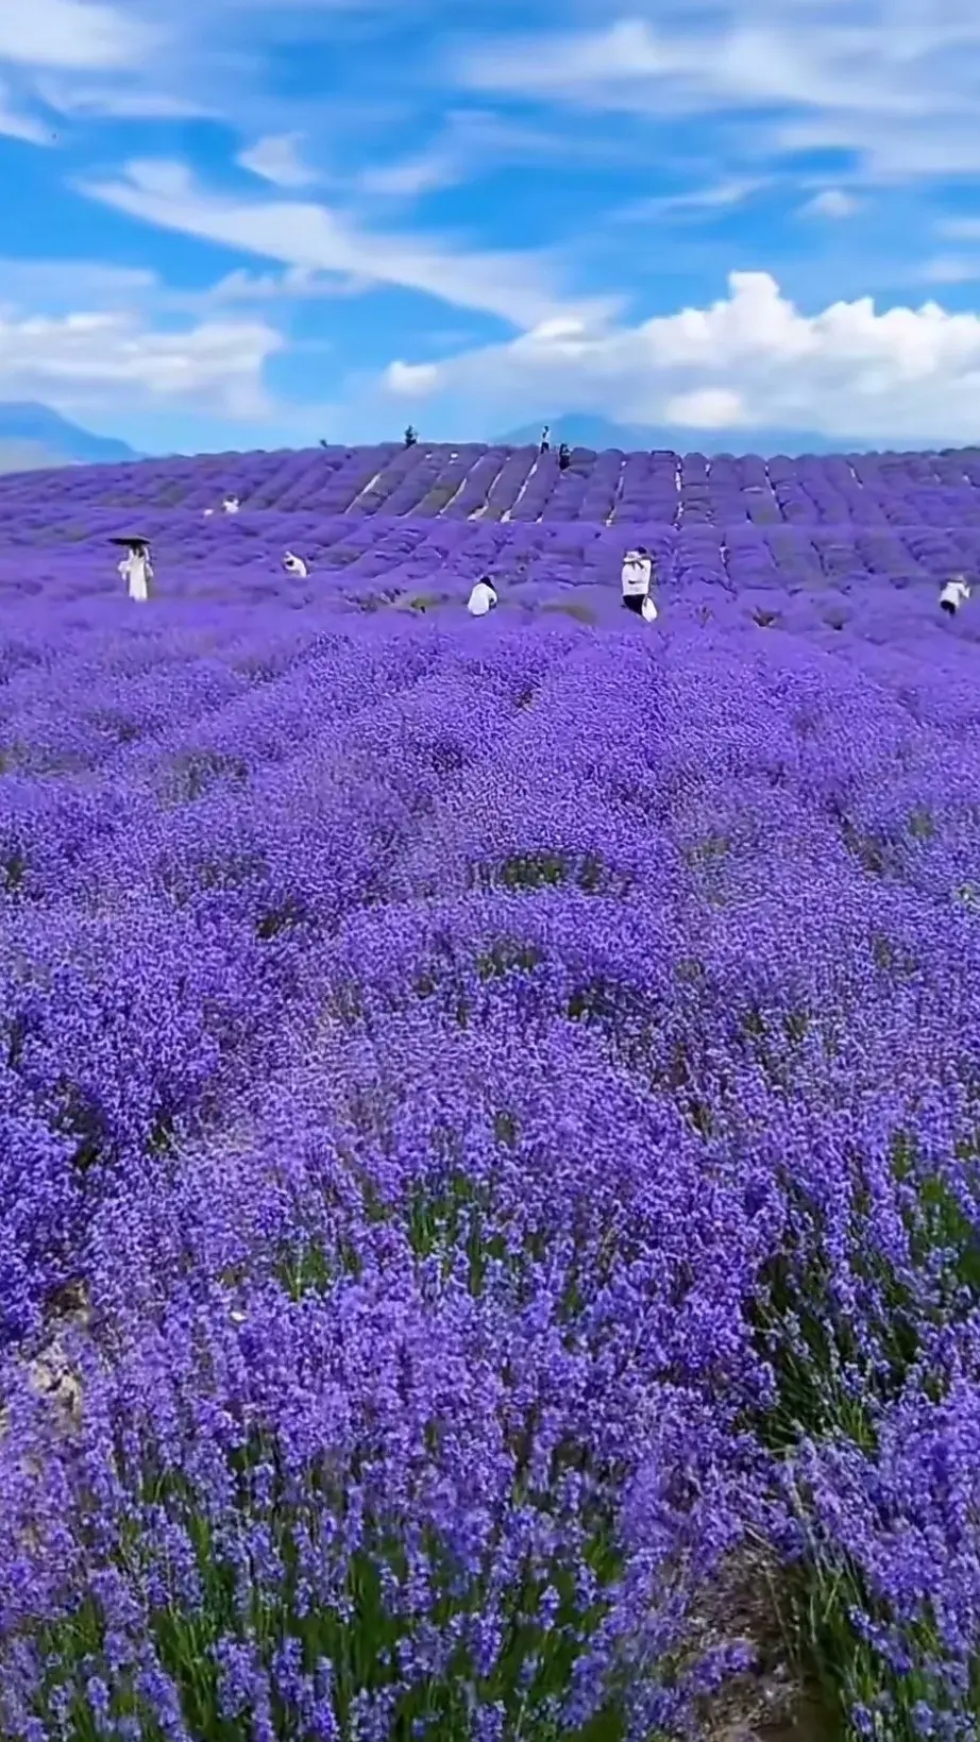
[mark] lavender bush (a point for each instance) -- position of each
(487, 1109)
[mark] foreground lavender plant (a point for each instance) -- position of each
(487, 1113)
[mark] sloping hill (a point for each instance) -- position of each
(496, 484)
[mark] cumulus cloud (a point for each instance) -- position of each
(517, 288)
(277, 159)
(91, 360)
(750, 359)
(707, 408)
(413, 380)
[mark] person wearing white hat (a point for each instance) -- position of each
(636, 578)
(136, 568)
(954, 594)
(294, 565)
(482, 599)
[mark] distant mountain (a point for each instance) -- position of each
(580, 430)
(33, 436)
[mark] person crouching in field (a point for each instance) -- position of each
(136, 568)
(954, 594)
(483, 598)
(637, 576)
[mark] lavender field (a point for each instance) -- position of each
(489, 1187)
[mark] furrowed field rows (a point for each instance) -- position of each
(489, 1199)
(493, 485)
(413, 566)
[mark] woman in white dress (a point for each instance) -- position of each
(136, 568)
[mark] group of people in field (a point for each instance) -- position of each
(136, 568)
(636, 575)
(544, 445)
(636, 580)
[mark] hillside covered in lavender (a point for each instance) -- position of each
(489, 1165)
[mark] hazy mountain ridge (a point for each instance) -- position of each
(582, 430)
(34, 436)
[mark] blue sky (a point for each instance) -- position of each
(241, 224)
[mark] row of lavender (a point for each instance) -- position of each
(496, 484)
(499, 1102)
(384, 555)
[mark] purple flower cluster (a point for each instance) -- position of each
(487, 1109)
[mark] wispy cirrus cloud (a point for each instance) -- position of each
(831, 203)
(82, 35)
(895, 83)
(515, 287)
(277, 158)
(696, 204)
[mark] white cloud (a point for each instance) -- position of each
(412, 380)
(14, 124)
(297, 283)
(896, 81)
(750, 359)
(412, 176)
(60, 286)
(93, 360)
(703, 202)
(515, 287)
(277, 159)
(707, 408)
(747, 62)
(79, 35)
(950, 269)
(831, 203)
(960, 229)
(123, 101)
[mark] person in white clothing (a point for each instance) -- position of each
(294, 565)
(954, 594)
(231, 504)
(637, 576)
(483, 598)
(136, 568)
